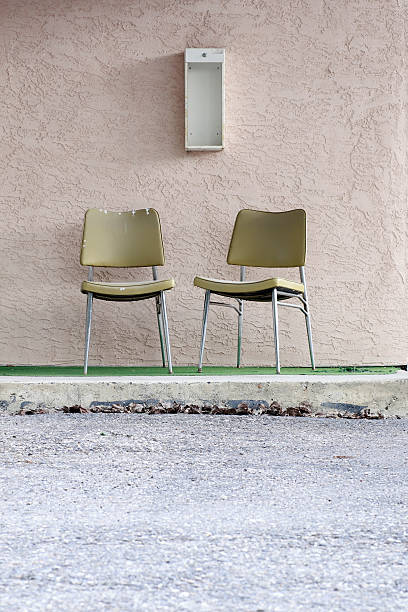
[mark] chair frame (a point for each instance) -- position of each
(162, 322)
(276, 293)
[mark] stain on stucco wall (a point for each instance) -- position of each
(92, 115)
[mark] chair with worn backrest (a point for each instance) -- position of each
(125, 240)
(264, 240)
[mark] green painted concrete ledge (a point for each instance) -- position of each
(65, 371)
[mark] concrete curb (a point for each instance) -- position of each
(347, 396)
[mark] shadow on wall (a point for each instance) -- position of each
(144, 128)
(150, 97)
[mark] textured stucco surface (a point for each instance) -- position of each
(92, 114)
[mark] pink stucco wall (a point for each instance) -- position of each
(91, 115)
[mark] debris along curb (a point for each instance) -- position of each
(346, 396)
(240, 408)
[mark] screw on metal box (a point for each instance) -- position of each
(204, 54)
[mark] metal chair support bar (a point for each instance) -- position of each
(159, 312)
(226, 305)
(242, 273)
(307, 317)
(292, 295)
(293, 306)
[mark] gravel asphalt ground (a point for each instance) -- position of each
(192, 512)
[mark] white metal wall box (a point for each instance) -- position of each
(204, 99)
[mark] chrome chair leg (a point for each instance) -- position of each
(88, 330)
(309, 337)
(159, 323)
(307, 317)
(240, 321)
(204, 328)
(166, 331)
(276, 327)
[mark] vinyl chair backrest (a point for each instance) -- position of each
(122, 239)
(269, 239)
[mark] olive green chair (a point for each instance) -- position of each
(264, 240)
(125, 240)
